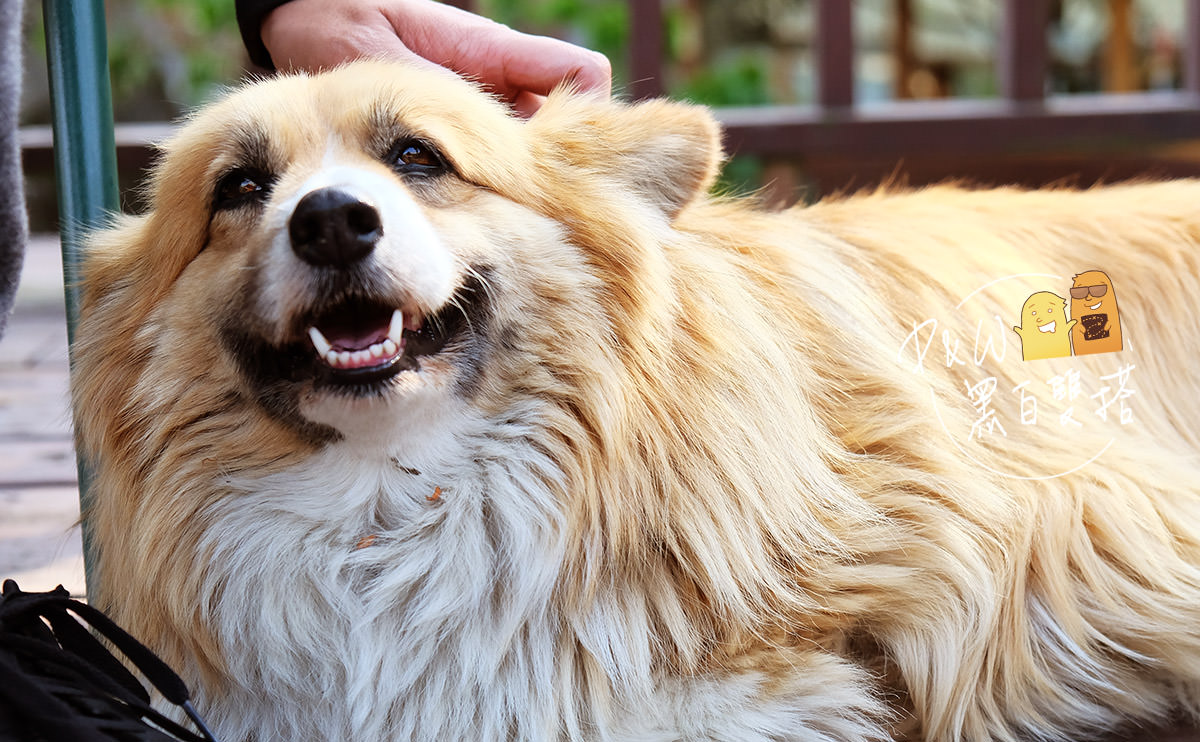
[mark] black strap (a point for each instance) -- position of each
(62, 683)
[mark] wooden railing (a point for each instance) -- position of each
(1023, 136)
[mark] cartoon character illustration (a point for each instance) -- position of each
(1094, 304)
(1045, 330)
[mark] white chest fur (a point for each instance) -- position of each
(385, 598)
(369, 597)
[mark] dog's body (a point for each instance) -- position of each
(642, 465)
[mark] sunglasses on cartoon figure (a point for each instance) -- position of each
(1081, 292)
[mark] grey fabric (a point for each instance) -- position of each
(13, 224)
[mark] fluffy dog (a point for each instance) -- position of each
(412, 420)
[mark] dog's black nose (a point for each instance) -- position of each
(332, 227)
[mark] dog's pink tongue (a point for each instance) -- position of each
(355, 331)
(362, 350)
(361, 340)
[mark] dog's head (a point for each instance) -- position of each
(377, 238)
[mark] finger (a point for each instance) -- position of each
(539, 64)
(526, 103)
(503, 60)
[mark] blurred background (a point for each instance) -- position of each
(170, 55)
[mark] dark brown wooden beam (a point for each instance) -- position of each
(902, 51)
(135, 145)
(646, 49)
(1191, 47)
(1093, 123)
(1022, 66)
(835, 53)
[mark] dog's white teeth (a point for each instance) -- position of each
(360, 358)
(396, 329)
(386, 348)
(319, 342)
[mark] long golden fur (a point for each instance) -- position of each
(693, 470)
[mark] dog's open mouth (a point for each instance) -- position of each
(352, 350)
(354, 342)
(359, 340)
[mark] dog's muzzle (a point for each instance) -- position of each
(334, 229)
(363, 302)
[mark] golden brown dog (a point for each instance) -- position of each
(412, 420)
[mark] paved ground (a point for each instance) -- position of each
(39, 495)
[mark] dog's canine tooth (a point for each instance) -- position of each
(396, 327)
(319, 342)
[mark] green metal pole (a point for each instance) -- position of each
(85, 158)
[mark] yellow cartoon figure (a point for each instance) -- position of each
(1045, 330)
(1094, 304)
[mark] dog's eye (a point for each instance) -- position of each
(414, 157)
(240, 186)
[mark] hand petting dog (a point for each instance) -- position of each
(519, 68)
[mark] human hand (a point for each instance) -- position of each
(519, 68)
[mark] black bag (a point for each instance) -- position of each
(58, 682)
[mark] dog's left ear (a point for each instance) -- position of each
(668, 152)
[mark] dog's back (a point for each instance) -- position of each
(1056, 500)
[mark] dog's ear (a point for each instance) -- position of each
(667, 152)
